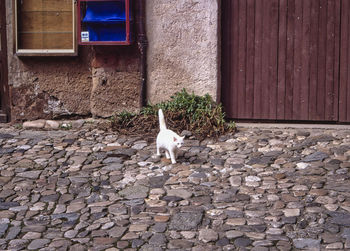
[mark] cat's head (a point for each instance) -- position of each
(179, 141)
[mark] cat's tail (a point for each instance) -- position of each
(162, 124)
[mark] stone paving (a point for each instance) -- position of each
(88, 189)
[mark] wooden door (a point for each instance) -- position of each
(281, 59)
(4, 91)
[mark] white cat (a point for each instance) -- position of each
(168, 140)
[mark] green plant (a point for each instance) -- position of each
(123, 119)
(231, 125)
(148, 110)
(184, 111)
(125, 116)
(18, 126)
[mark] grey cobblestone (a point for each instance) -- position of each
(88, 189)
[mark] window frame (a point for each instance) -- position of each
(45, 52)
(128, 38)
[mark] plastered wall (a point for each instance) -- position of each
(183, 47)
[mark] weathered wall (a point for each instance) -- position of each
(101, 80)
(47, 87)
(183, 47)
(115, 80)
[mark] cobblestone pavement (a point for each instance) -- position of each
(259, 189)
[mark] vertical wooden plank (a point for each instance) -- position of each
(225, 56)
(249, 70)
(313, 59)
(347, 101)
(250, 59)
(230, 27)
(257, 59)
(337, 23)
(297, 58)
(305, 61)
(241, 56)
(282, 51)
(273, 52)
(234, 57)
(265, 87)
(322, 47)
(227, 88)
(344, 93)
(329, 84)
(347, 83)
(4, 86)
(343, 59)
(290, 60)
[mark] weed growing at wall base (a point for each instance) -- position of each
(184, 111)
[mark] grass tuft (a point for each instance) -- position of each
(184, 111)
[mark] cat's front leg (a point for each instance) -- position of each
(172, 156)
(167, 154)
(158, 151)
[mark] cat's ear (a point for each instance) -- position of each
(175, 139)
(183, 137)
